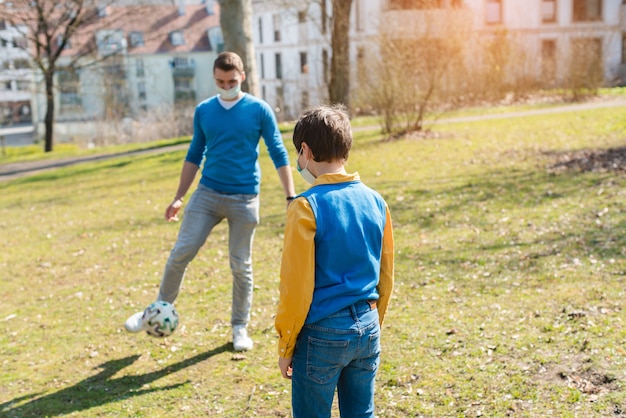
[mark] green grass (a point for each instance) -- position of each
(510, 282)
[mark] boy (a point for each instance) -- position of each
(336, 275)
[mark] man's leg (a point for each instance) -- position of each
(243, 217)
(198, 221)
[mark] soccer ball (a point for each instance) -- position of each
(160, 319)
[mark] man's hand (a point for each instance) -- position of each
(284, 363)
(171, 213)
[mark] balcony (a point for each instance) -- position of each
(183, 69)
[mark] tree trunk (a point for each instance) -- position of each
(49, 120)
(236, 24)
(339, 88)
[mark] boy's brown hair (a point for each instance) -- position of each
(326, 130)
(227, 61)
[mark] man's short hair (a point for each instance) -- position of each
(228, 61)
(326, 130)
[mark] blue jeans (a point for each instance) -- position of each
(205, 209)
(341, 351)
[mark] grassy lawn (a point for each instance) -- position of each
(509, 300)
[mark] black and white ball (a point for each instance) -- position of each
(160, 319)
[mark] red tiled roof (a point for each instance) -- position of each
(155, 23)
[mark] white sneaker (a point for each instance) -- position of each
(134, 322)
(241, 341)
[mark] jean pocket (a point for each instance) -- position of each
(371, 357)
(325, 358)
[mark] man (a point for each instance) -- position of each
(227, 131)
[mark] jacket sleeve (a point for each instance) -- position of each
(385, 283)
(297, 275)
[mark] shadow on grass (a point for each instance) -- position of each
(100, 389)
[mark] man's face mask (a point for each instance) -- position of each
(229, 94)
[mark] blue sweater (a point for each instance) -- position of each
(350, 219)
(228, 141)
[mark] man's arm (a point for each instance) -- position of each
(286, 179)
(187, 176)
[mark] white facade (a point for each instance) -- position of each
(546, 32)
(15, 77)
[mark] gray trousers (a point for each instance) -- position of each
(205, 209)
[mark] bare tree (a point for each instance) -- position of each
(236, 23)
(407, 72)
(47, 27)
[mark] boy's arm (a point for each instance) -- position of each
(385, 284)
(297, 275)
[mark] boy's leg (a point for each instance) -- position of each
(356, 385)
(316, 367)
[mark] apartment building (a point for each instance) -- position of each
(159, 59)
(15, 77)
(551, 40)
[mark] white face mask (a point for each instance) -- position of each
(304, 172)
(229, 94)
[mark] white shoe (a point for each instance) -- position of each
(241, 341)
(134, 322)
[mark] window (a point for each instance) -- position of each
(324, 17)
(23, 85)
(304, 100)
(301, 16)
(141, 90)
(325, 65)
(304, 67)
(624, 47)
(183, 90)
(136, 39)
(276, 21)
(69, 85)
(262, 66)
(20, 64)
(260, 30)
(181, 62)
(177, 38)
(20, 42)
(279, 66)
(548, 11)
(587, 10)
(419, 4)
(140, 67)
(360, 15)
(548, 62)
(586, 68)
(493, 11)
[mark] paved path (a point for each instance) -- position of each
(15, 170)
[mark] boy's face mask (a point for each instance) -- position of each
(304, 172)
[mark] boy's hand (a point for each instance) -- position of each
(284, 363)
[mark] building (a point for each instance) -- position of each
(549, 43)
(15, 77)
(145, 66)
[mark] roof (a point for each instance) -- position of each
(155, 23)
